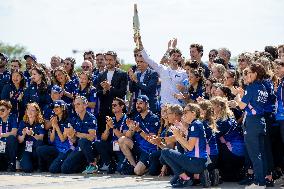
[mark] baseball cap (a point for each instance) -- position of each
(59, 103)
(56, 89)
(31, 56)
(5, 56)
(143, 98)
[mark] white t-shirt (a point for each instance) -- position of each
(169, 79)
(109, 75)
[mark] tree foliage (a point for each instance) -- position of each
(13, 51)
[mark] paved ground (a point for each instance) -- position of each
(45, 180)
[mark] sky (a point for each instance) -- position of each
(57, 27)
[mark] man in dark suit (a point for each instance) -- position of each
(111, 83)
(144, 82)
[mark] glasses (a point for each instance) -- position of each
(241, 60)
(212, 55)
(85, 67)
(2, 110)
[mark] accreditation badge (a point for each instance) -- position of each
(29, 146)
(2, 147)
(115, 146)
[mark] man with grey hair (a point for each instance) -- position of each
(225, 54)
(55, 62)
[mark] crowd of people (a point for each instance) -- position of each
(202, 123)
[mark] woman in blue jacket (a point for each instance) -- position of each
(230, 140)
(254, 101)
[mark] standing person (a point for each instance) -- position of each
(90, 56)
(87, 90)
(4, 73)
(69, 66)
(135, 142)
(111, 83)
(254, 101)
(31, 61)
(31, 132)
(225, 54)
(62, 79)
(196, 53)
(14, 92)
(83, 132)
(194, 142)
(39, 90)
(52, 156)
(170, 74)
(55, 62)
(144, 82)
(15, 65)
(8, 140)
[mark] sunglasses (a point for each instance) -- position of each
(212, 55)
(85, 67)
(241, 60)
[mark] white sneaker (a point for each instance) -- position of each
(255, 186)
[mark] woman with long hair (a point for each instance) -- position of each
(30, 133)
(254, 101)
(193, 139)
(230, 140)
(62, 79)
(207, 116)
(39, 90)
(14, 92)
(52, 156)
(87, 90)
(69, 66)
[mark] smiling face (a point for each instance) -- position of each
(31, 112)
(67, 66)
(83, 79)
(110, 62)
(4, 111)
(141, 106)
(60, 77)
(16, 78)
(80, 106)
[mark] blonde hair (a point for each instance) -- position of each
(207, 106)
(39, 117)
(225, 111)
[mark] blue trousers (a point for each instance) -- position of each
(49, 158)
(181, 163)
(29, 159)
(9, 157)
(254, 135)
(77, 160)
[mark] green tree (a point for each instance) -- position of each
(13, 51)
